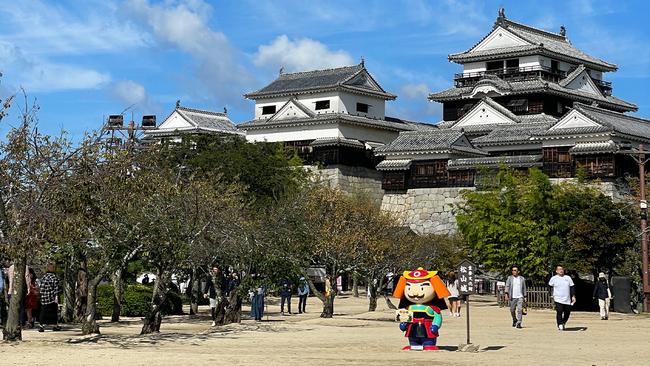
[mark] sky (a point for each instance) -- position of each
(83, 60)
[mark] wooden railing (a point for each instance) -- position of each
(539, 297)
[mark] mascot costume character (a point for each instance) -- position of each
(421, 294)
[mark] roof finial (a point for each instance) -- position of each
(501, 18)
(281, 70)
(178, 103)
(225, 110)
(562, 31)
(363, 62)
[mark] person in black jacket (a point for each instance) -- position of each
(603, 294)
(214, 289)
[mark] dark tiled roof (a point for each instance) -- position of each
(318, 80)
(208, 120)
(536, 86)
(572, 75)
(337, 141)
(393, 124)
(541, 42)
(600, 147)
(588, 130)
(200, 121)
(517, 161)
(511, 134)
(428, 141)
(396, 164)
(619, 122)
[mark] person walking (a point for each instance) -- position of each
(213, 291)
(454, 294)
(603, 294)
(49, 287)
(516, 295)
(31, 298)
(563, 296)
(286, 290)
(303, 293)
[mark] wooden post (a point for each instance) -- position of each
(467, 303)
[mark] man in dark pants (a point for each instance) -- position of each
(563, 295)
(303, 293)
(285, 295)
(49, 287)
(214, 292)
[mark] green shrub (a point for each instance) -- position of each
(137, 301)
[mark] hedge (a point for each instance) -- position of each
(137, 301)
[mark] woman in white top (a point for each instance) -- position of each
(454, 295)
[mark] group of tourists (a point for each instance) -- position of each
(40, 297)
(563, 294)
(286, 291)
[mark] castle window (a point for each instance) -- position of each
(518, 105)
(494, 65)
(322, 104)
(269, 109)
(512, 64)
(362, 107)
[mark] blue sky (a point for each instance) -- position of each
(85, 59)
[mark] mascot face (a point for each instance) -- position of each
(421, 287)
(419, 292)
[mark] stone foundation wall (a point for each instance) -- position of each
(425, 210)
(353, 180)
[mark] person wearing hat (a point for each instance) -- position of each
(603, 294)
(303, 293)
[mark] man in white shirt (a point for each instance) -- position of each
(563, 295)
(515, 294)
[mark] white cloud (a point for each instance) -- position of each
(130, 92)
(46, 28)
(40, 75)
(184, 25)
(416, 91)
(299, 55)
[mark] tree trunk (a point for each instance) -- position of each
(89, 325)
(328, 300)
(13, 330)
(374, 288)
(232, 308)
(390, 303)
(355, 284)
(81, 292)
(372, 296)
(328, 306)
(153, 320)
(193, 292)
(69, 279)
(118, 294)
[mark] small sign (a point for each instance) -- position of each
(466, 277)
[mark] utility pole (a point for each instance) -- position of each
(639, 155)
(643, 205)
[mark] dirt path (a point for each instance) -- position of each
(353, 337)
